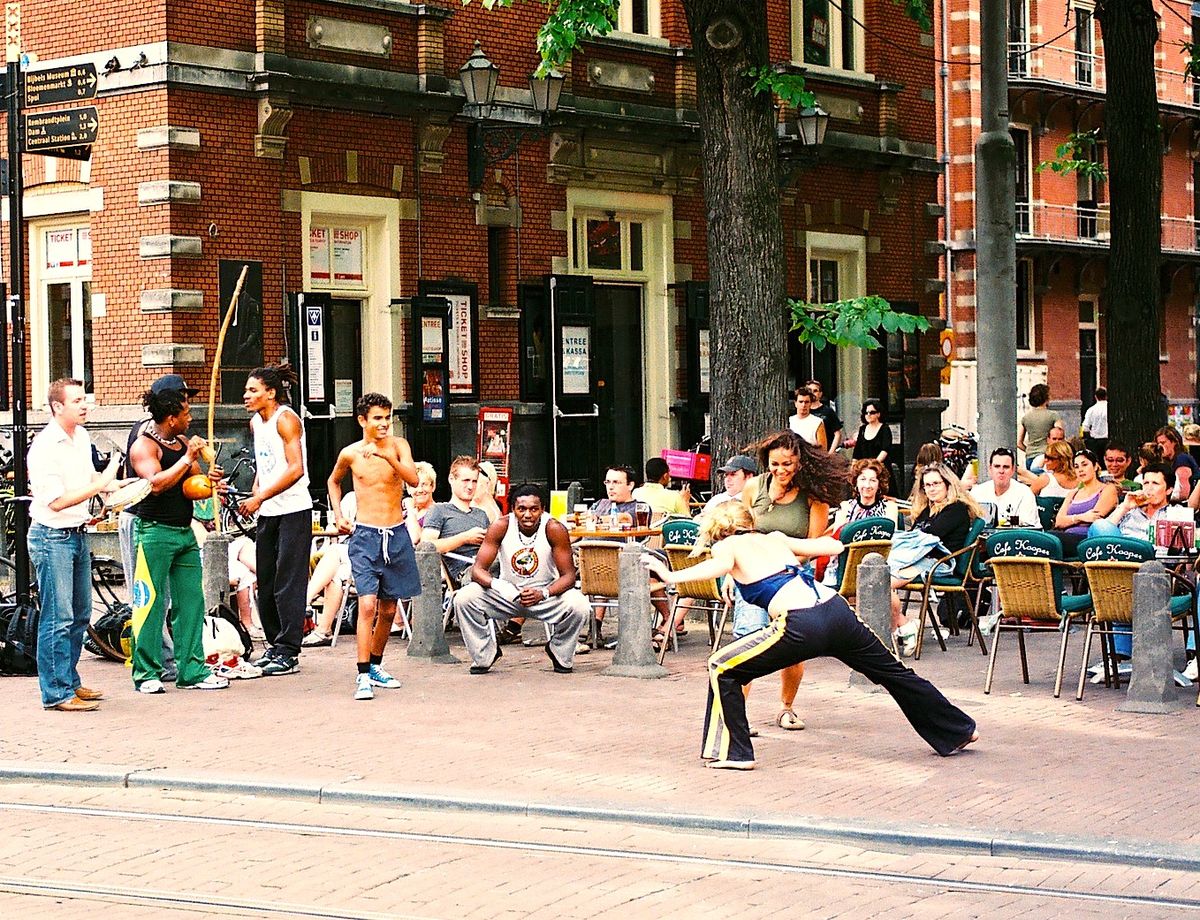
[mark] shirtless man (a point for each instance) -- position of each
(381, 551)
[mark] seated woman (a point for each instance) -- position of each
(869, 481)
(1058, 476)
(329, 579)
(808, 620)
(420, 498)
(942, 513)
(1091, 501)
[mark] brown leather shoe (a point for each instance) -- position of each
(75, 704)
(89, 695)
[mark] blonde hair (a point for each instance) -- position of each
(1061, 453)
(425, 471)
(954, 493)
(725, 520)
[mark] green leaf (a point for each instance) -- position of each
(852, 323)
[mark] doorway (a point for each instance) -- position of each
(618, 360)
(1089, 362)
(344, 353)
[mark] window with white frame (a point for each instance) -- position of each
(609, 243)
(64, 287)
(1085, 45)
(825, 33)
(1024, 297)
(1018, 38)
(640, 17)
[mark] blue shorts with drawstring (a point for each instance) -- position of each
(383, 563)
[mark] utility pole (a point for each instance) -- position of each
(16, 296)
(995, 241)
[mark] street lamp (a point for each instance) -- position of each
(490, 143)
(813, 122)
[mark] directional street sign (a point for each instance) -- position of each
(72, 83)
(60, 129)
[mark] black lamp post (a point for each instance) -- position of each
(488, 144)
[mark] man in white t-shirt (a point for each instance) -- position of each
(736, 472)
(1014, 501)
(805, 423)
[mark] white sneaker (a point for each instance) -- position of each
(1192, 672)
(362, 687)
(987, 625)
(212, 682)
(1124, 669)
(242, 670)
(582, 648)
(151, 686)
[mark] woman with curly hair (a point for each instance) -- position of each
(792, 497)
(808, 620)
(869, 483)
(942, 513)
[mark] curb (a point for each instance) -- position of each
(941, 838)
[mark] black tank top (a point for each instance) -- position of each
(172, 506)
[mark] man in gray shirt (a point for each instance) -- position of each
(455, 527)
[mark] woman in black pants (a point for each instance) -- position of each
(808, 620)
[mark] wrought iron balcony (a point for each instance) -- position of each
(1082, 225)
(1068, 67)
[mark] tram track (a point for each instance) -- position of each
(32, 886)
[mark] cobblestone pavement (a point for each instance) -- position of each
(523, 733)
(130, 853)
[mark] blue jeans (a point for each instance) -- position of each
(63, 564)
(747, 618)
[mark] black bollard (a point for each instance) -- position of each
(428, 638)
(634, 656)
(874, 607)
(1152, 685)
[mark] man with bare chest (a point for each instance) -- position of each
(381, 550)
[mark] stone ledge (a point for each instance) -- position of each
(165, 191)
(169, 354)
(167, 300)
(171, 136)
(167, 245)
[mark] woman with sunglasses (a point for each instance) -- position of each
(942, 513)
(1090, 501)
(808, 620)
(1058, 478)
(874, 438)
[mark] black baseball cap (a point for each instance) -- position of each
(739, 462)
(169, 382)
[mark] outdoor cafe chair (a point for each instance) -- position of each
(957, 582)
(598, 565)
(1048, 510)
(705, 594)
(680, 532)
(861, 538)
(1028, 570)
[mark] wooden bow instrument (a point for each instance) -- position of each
(209, 453)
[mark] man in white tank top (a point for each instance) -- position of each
(537, 580)
(281, 500)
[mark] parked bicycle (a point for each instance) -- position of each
(959, 448)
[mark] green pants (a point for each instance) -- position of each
(165, 552)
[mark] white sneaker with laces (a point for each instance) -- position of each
(362, 687)
(151, 686)
(1192, 671)
(243, 670)
(212, 682)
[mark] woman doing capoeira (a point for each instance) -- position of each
(808, 620)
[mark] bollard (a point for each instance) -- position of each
(428, 637)
(214, 563)
(1152, 684)
(574, 495)
(634, 656)
(874, 607)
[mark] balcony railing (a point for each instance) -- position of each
(1090, 226)
(1069, 67)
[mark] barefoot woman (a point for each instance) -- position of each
(808, 620)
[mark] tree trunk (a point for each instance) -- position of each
(747, 272)
(1131, 297)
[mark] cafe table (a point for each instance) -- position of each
(629, 535)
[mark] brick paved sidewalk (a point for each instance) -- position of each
(523, 733)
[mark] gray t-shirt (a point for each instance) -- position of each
(449, 521)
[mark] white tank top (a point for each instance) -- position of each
(527, 561)
(271, 463)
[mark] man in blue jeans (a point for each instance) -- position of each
(62, 481)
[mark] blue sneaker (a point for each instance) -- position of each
(381, 678)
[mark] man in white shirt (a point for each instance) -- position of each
(62, 481)
(736, 472)
(1095, 424)
(1014, 501)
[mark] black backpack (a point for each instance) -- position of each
(18, 638)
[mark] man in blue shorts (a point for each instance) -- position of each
(382, 560)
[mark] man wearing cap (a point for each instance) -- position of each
(168, 383)
(739, 469)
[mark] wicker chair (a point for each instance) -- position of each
(680, 532)
(957, 582)
(705, 593)
(861, 538)
(597, 561)
(1030, 596)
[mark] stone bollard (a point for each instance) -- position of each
(428, 638)
(214, 563)
(574, 495)
(1152, 685)
(874, 608)
(634, 656)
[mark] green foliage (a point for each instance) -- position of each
(570, 23)
(919, 11)
(1076, 155)
(850, 323)
(789, 87)
(1192, 67)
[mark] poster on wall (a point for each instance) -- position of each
(318, 255)
(433, 395)
(705, 372)
(494, 443)
(576, 360)
(314, 351)
(61, 251)
(347, 257)
(462, 381)
(431, 339)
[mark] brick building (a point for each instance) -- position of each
(1056, 88)
(325, 143)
